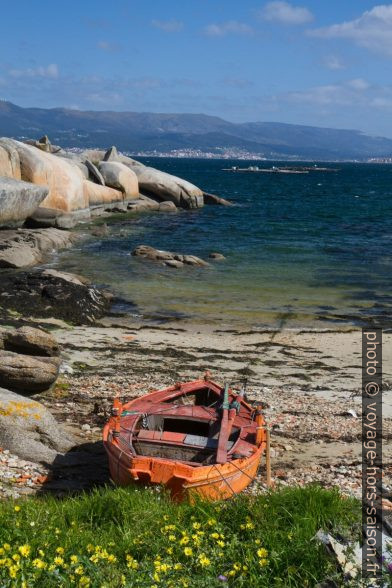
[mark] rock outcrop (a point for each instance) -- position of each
(27, 374)
(69, 191)
(154, 183)
(18, 200)
(25, 247)
(175, 260)
(28, 429)
(53, 294)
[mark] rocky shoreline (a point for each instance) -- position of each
(307, 381)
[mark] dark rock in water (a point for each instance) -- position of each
(146, 252)
(48, 293)
(217, 256)
(100, 230)
(94, 172)
(111, 154)
(28, 429)
(212, 199)
(27, 374)
(31, 341)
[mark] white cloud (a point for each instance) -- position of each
(231, 27)
(108, 46)
(49, 71)
(358, 84)
(168, 26)
(285, 13)
(333, 62)
(351, 94)
(373, 30)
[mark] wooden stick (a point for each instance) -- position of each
(268, 457)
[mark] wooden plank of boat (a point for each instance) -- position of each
(194, 437)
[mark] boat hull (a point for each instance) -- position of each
(184, 479)
(214, 482)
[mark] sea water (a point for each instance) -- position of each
(309, 250)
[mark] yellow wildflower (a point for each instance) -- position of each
(156, 577)
(211, 522)
(220, 543)
(196, 525)
(131, 562)
(79, 571)
(16, 557)
(60, 550)
(84, 582)
(263, 562)
(25, 550)
(184, 540)
(111, 558)
(59, 561)
(262, 552)
(41, 552)
(188, 551)
(16, 508)
(13, 570)
(6, 546)
(214, 535)
(90, 548)
(204, 561)
(169, 550)
(39, 564)
(177, 566)
(172, 537)
(74, 559)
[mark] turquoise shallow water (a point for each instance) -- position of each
(302, 250)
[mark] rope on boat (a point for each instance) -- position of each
(224, 479)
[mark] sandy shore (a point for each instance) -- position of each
(306, 380)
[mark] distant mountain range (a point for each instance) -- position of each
(143, 131)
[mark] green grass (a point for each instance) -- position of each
(137, 537)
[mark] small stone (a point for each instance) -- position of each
(216, 256)
(86, 427)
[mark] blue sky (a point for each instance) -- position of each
(323, 62)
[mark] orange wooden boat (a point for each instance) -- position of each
(194, 438)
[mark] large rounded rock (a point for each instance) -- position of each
(18, 200)
(28, 429)
(167, 187)
(27, 374)
(61, 176)
(119, 176)
(31, 341)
